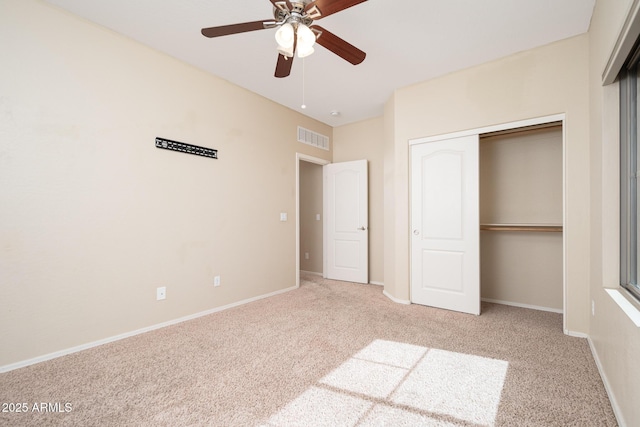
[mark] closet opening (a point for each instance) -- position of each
(521, 217)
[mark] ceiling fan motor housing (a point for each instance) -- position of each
(296, 15)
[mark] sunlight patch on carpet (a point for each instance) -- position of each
(392, 383)
(464, 386)
(392, 353)
(321, 407)
(367, 378)
(385, 416)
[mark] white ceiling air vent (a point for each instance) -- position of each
(310, 137)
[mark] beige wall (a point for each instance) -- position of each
(364, 140)
(615, 338)
(548, 80)
(393, 186)
(521, 177)
(310, 227)
(93, 217)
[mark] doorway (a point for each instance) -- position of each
(332, 219)
(309, 215)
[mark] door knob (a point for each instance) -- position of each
(416, 232)
(362, 228)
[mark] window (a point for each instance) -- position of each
(629, 209)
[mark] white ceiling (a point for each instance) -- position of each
(406, 42)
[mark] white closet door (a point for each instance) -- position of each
(445, 224)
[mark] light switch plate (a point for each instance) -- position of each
(283, 216)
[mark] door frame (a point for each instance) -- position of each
(511, 126)
(318, 161)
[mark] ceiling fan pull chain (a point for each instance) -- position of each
(303, 104)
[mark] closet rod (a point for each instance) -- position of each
(522, 227)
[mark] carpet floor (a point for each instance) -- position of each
(329, 353)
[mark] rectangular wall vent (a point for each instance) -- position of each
(315, 139)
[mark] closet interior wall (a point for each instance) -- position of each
(521, 212)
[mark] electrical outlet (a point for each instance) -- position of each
(593, 308)
(216, 281)
(306, 255)
(161, 293)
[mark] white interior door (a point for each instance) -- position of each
(346, 221)
(445, 224)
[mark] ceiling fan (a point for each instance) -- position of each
(296, 32)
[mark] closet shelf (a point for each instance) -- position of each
(522, 227)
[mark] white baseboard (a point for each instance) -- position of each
(56, 354)
(575, 334)
(517, 304)
(614, 405)
(394, 299)
(313, 273)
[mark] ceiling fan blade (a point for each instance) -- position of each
(283, 67)
(287, 2)
(226, 30)
(329, 7)
(335, 44)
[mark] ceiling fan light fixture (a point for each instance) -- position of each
(306, 37)
(285, 36)
(305, 51)
(286, 51)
